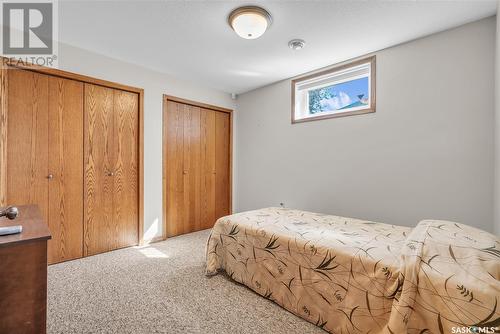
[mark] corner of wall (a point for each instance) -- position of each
(496, 197)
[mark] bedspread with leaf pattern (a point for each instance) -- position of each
(353, 276)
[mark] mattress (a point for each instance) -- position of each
(353, 276)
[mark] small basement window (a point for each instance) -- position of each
(341, 91)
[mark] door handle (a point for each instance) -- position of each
(50, 176)
(111, 173)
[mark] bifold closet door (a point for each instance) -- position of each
(27, 140)
(191, 169)
(197, 167)
(100, 232)
(174, 163)
(125, 167)
(65, 169)
(208, 168)
(111, 169)
(44, 155)
(183, 158)
(222, 164)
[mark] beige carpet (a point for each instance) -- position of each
(160, 288)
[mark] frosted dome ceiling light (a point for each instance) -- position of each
(249, 22)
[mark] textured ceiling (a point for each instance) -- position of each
(191, 39)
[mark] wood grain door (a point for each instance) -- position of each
(72, 148)
(100, 231)
(65, 151)
(197, 168)
(191, 169)
(173, 120)
(208, 171)
(111, 210)
(27, 149)
(222, 164)
(125, 168)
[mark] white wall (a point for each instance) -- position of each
(497, 128)
(154, 84)
(426, 153)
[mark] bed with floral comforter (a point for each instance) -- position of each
(353, 276)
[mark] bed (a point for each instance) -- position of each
(354, 276)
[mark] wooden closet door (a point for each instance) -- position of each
(208, 172)
(192, 169)
(66, 168)
(125, 168)
(197, 167)
(99, 229)
(173, 122)
(222, 164)
(27, 138)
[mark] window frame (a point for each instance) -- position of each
(372, 81)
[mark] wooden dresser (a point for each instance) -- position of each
(23, 274)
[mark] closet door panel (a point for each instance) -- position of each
(125, 169)
(27, 131)
(174, 162)
(66, 167)
(207, 198)
(197, 161)
(99, 228)
(192, 169)
(222, 154)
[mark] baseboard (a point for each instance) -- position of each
(155, 239)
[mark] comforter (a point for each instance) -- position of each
(353, 276)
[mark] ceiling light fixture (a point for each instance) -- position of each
(249, 22)
(296, 44)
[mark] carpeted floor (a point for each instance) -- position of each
(160, 288)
